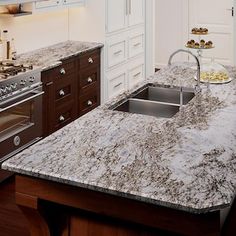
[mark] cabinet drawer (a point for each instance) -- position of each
(136, 44)
(116, 84)
(64, 115)
(89, 59)
(89, 79)
(89, 101)
(65, 70)
(116, 52)
(64, 93)
(136, 75)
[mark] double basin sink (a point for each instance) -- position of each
(157, 101)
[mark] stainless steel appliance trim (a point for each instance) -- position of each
(37, 94)
(18, 150)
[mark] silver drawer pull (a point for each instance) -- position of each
(62, 71)
(137, 44)
(61, 93)
(61, 118)
(89, 80)
(90, 60)
(118, 85)
(90, 103)
(136, 75)
(117, 52)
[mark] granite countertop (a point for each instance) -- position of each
(50, 57)
(187, 162)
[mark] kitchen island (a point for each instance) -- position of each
(109, 168)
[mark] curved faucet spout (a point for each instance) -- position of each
(198, 88)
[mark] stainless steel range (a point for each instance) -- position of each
(20, 107)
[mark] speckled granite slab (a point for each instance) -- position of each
(187, 162)
(49, 57)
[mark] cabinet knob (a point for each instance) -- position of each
(90, 60)
(61, 118)
(61, 93)
(90, 103)
(62, 71)
(89, 80)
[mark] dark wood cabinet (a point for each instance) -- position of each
(89, 82)
(71, 90)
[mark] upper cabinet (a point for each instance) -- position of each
(47, 4)
(55, 4)
(7, 2)
(136, 12)
(124, 13)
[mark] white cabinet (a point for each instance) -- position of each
(135, 72)
(72, 2)
(136, 12)
(124, 13)
(7, 2)
(124, 45)
(125, 77)
(121, 25)
(116, 82)
(116, 15)
(136, 42)
(48, 5)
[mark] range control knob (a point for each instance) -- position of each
(8, 88)
(3, 90)
(31, 79)
(22, 82)
(14, 86)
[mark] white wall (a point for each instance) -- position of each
(87, 23)
(171, 29)
(38, 30)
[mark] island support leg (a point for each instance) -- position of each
(31, 209)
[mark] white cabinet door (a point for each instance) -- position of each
(47, 4)
(136, 72)
(136, 12)
(216, 15)
(72, 2)
(116, 50)
(116, 82)
(116, 15)
(136, 42)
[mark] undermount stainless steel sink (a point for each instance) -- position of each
(157, 101)
(150, 108)
(167, 95)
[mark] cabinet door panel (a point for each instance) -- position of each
(136, 73)
(136, 12)
(116, 51)
(116, 15)
(71, 2)
(45, 4)
(136, 42)
(117, 81)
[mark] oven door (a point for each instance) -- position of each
(20, 122)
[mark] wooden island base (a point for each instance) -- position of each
(55, 209)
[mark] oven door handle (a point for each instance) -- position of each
(36, 94)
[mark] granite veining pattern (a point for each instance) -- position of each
(50, 57)
(187, 162)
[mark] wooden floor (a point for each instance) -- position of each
(13, 223)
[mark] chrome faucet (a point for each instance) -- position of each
(198, 87)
